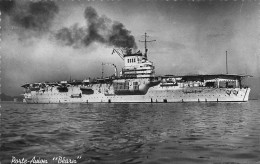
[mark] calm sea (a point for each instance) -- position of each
(131, 133)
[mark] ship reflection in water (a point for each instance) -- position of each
(133, 132)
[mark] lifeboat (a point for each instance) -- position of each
(86, 90)
(76, 95)
(63, 86)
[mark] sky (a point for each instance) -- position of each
(56, 40)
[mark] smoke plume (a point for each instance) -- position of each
(98, 29)
(6, 6)
(30, 16)
(38, 16)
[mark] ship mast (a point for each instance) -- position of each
(102, 72)
(226, 64)
(145, 44)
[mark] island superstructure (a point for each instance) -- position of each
(137, 82)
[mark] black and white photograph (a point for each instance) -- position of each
(130, 81)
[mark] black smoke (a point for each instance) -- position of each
(38, 16)
(6, 6)
(98, 29)
(30, 16)
(95, 25)
(72, 36)
(121, 37)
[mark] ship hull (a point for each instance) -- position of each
(156, 94)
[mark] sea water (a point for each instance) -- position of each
(130, 133)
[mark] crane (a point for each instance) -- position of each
(110, 65)
(119, 54)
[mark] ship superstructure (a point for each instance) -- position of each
(137, 83)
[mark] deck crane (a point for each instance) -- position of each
(118, 53)
(109, 65)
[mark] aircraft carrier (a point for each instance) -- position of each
(137, 82)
